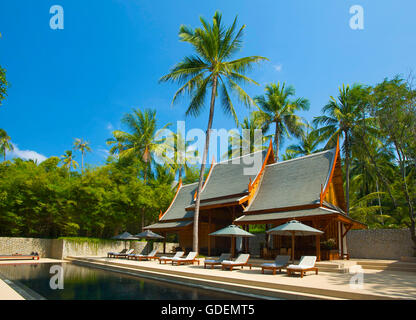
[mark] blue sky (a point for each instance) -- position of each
(78, 82)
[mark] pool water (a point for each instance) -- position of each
(85, 283)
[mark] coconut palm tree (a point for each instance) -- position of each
(5, 144)
(340, 116)
(184, 155)
(248, 142)
(309, 141)
(143, 141)
(277, 108)
(68, 160)
(211, 68)
(84, 147)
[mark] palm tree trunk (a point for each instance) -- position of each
(195, 243)
(412, 226)
(347, 170)
(180, 173)
(82, 162)
(276, 141)
(145, 181)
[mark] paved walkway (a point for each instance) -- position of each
(7, 293)
(376, 284)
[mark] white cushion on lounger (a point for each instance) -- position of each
(191, 256)
(294, 266)
(177, 255)
(270, 265)
(230, 262)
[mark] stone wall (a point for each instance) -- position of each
(10, 245)
(379, 243)
(59, 248)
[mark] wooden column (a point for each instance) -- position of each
(209, 237)
(293, 247)
(341, 240)
(164, 242)
(318, 248)
(248, 240)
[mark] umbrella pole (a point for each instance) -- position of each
(233, 246)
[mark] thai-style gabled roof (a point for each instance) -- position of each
(182, 199)
(301, 187)
(231, 177)
(293, 183)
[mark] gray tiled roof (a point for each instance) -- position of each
(219, 201)
(293, 182)
(183, 199)
(232, 176)
(168, 225)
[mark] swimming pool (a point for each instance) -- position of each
(86, 283)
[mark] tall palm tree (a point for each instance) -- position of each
(68, 160)
(309, 141)
(277, 108)
(84, 147)
(340, 116)
(5, 144)
(211, 69)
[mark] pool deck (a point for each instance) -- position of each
(377, 284)
(384, 284)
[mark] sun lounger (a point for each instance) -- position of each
(112, 254)
(279, 263)
(140, 257)
(190, 259)
(124, 254)
(18, 256)
(306, 263)
(212, 263)
(165, 259)
(241, 261)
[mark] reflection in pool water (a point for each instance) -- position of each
(84, 283)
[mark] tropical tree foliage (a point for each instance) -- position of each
(276, 108)
(5, 143)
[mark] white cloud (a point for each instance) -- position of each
(278, 67)
(110, 126)
(103, 152)
(25, 154)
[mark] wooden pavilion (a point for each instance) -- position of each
(308, 189)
